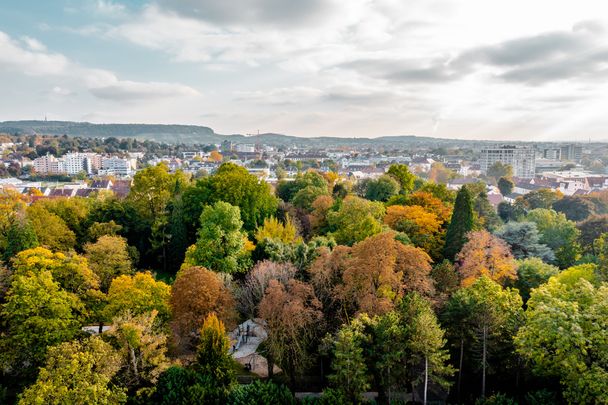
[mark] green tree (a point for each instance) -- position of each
(51, 231)
(499, 169)
(558, 233)
(77, 373)
(402, 174)
(355, 220)
(212, 357)
(505, 185)
(486, 213)
(425, 341)
(492, 314)
(232, 184)
(543, 198)
(532, 273)
(261, 393)
(306, 196)
(524, 241)
(460, 225)
(565, 335)
(37, 314)
(574, 207)
(350, 370)
(20, 236)
(108, 258)
(287, 190)
(221, 243)
(381, 189)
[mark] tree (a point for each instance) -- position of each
(430, 203)
(261, 393)
(419, 224)
(505, 185)
(77, 373)
(318, 217)
(440, 174)
(381, 189)
(485, 212)
(292, 314)
(403, 175)
(591, 229)
(251, 292)
(141, 346)
(350, 370)
(212, 356)
(499, 169)
(575, 208)
(485, 255)
(20, 236)
(108, 258)
(558, 233)
(232, 184)
(532, 273)
(138, 294)
(425, 341)
(355, 220)
(287, 190)
(490, 313)
(371, 276)
(565, 334)
(221, 243)
(195, 294)
(511, 212)
(37, 314)
(275, 229)
(51, 231)
(72, 272)
(306, 196)
(461, 223)
(543, 198)
(524, 241)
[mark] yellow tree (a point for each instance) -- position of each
(138, 294)
(486, 255)
(418, 223)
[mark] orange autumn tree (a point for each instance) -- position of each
(371, 276)
(486, 255)
(292, 313)
(419, 224)
(432, 204)
(195, 294)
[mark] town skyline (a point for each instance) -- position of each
(445, 69)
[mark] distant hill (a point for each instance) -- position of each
(191, 134)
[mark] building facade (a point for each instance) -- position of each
(521, 159)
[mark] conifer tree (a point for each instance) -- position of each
(461, 224)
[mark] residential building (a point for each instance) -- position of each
(521, 159)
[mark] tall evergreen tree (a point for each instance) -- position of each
(461, 223)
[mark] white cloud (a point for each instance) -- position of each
(37, 61)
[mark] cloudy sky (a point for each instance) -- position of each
(481, 69)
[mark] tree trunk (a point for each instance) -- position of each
(426, 377)
(460, 367)
(134, 363)
(100, 330)
(483, 357)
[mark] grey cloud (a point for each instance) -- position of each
(267, 12)
(410, 71)
(131, 91)
(532, 60)
(525, 50)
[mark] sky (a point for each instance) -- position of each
(533, 70)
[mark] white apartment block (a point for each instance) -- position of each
(521, 159)
(117, 166)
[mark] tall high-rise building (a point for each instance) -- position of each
(571, 152)
(521, 159)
